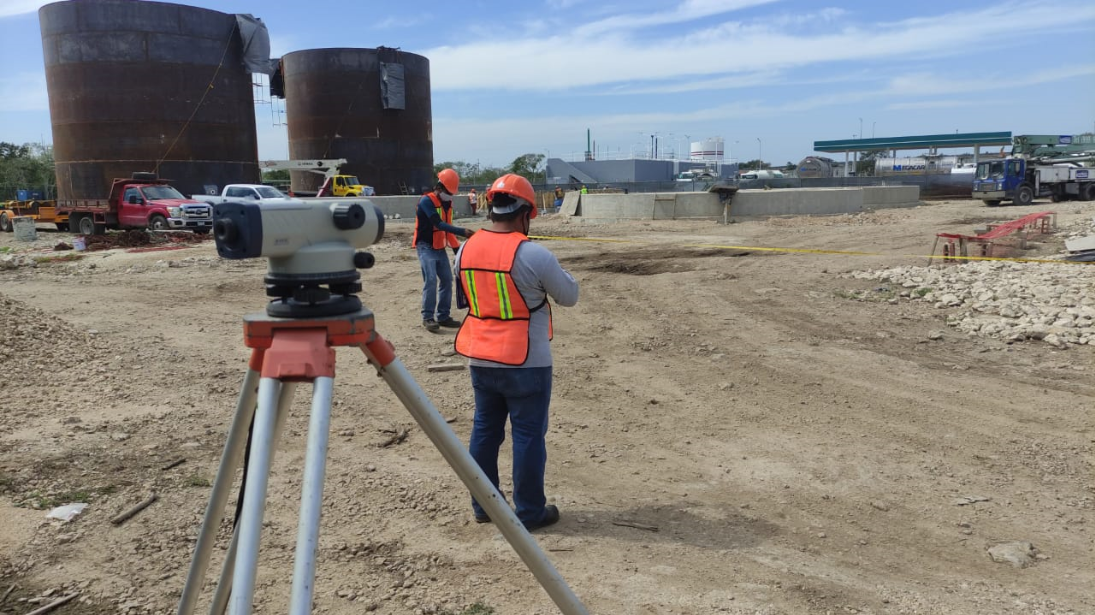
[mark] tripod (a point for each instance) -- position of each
(285, 352)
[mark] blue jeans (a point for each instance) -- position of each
(435, 271)
(522, 394)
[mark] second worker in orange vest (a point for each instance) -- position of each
(433, 232)
(507, 281)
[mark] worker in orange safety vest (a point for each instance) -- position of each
(507, 281)
(433, 232)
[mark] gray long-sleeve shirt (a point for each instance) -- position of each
(538, 275)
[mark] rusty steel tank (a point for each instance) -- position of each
(369, 106)
(146, 86)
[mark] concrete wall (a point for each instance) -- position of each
(745, 204)
(647, 206)
(891, 196)
(406, 205)
(821, 201)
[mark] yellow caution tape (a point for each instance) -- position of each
(812, 251)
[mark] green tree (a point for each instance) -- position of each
(471, 173)
(530, 166)
(281, 175)
(865, 165)
(26, 167)
(752, 165)
(11, 151)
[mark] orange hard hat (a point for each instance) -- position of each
(515, 186)
(449, 179)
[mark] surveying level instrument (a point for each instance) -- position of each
(313, 278)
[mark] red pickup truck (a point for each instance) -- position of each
(141, 202)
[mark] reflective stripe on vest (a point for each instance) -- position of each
(440, 238)
(497, 326)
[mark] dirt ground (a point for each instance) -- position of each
(785, 447)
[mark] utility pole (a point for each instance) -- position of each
(760, 154)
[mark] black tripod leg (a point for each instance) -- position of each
(222, 487)
(224, 585)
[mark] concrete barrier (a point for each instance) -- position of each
(406, 205)
(647, 206)
(745, 204)
(24, 228)
(893, 196)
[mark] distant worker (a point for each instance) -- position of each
(558, 198)
(584, 189)
(433, 231)
(473, 201)
(507, 280)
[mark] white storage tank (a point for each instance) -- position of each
(709, 149)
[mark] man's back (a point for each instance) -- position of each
(538, 276)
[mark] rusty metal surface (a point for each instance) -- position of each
(126, 82)
(334, 109)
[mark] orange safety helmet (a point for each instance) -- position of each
(517, 187)
(449, 179)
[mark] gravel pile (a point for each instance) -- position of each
(1078, 228)
(1008, 301)
(15, 261)
(36, 347)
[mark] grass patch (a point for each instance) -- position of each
(877, 295)
(39, 500)
(42, 501)
(61, 258)
(5, 249)
(197, 481)
(846, 294)
(920, 292)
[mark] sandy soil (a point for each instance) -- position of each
(796, 450)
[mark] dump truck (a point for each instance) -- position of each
(1040, 166)
(143, 201)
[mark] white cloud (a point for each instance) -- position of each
(689, 10)
(928, 84)
(938, 104)
(770, 78)
(617, 55)
(562, 4)
(23, 92)
(10, 8)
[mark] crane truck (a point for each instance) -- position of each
(334, 183)
(1039, 166)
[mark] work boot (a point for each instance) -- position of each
(431, 325)
(551, 517)
(450, 322)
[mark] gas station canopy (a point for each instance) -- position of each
(929, 142)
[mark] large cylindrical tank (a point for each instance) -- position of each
(146, 86)
(708, 149)
(814, 167)
(369, 106)
(915, 165)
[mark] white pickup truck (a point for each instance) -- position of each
(246, 193)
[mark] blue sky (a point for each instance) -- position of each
(515, 77)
